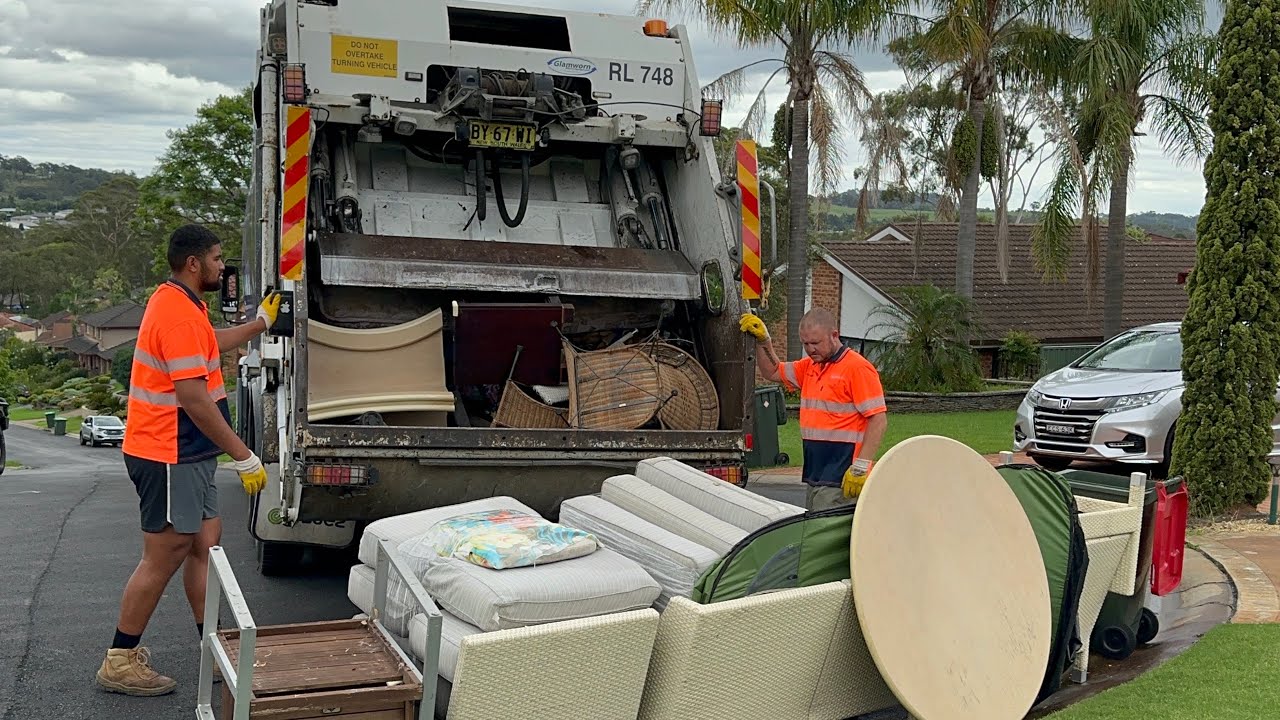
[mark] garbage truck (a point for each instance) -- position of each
(508, 260)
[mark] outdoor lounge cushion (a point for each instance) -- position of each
(675, 562)
(596, 584)
(671, 513)
(360, 593)
(398, 528)
(712, 495)
(452, 630)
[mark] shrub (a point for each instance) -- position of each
(1020, 355)
(1231, 332)
(926, 342)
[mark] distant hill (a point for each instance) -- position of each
(44, 187)
(840, 216)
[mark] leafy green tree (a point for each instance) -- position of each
(926, 335)
(1144, 61)
(1231, 332)
(984, 46)
(203, 176)
(824, 84)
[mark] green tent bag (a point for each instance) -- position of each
(1050, 506)
(799, 551)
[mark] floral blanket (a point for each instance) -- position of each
(501, 539)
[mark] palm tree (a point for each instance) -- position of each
(824, 83)
(1145, 60)
(926, 341)
(982, 44)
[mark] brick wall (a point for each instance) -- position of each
(827, 289)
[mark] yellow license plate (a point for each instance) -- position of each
(502, 135)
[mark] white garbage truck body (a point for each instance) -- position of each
(460, 201)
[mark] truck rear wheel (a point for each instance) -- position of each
(275, 559)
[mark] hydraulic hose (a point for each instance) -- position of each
(482, 203)
(524, 192)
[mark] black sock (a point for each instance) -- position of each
(200, 630)
(125, 641)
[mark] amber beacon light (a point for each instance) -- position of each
(655, 28)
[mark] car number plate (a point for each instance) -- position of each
(1060, 429)
(501, 135)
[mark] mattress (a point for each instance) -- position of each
(396, 529)
(452, 630)
(676, 563)
(596, 584)
(738, 507)
(671, 513)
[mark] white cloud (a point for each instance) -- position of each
(98, 84)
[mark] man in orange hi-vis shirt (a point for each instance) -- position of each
(178, 424)
(842, 410)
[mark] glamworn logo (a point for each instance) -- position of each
(572, 65)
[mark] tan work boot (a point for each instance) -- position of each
(129, 672)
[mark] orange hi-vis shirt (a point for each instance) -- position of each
(837, 397)
(175, 342)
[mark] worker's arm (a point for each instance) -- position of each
(767, 361)
(873, 436)
(193, 396)
(234, 337)
(238, 335)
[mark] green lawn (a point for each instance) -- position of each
(25, 413)
(986, 431)
(1231, 673)
(12, 464)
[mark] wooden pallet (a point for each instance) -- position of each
(335, 669)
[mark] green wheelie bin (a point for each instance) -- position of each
(770, 413)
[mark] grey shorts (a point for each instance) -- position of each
(182, 495)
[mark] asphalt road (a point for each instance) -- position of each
(69, 529)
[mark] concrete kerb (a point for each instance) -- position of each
(1255, 592)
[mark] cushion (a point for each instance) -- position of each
(675, 562)
(734, 505)
(360, 592)
(398, 528)
(671, 513)
(596, 584)
(452, 630)
(501, 539)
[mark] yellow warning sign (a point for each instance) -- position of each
(364, 56)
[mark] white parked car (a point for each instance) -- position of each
(98, 430)
(1117, 403)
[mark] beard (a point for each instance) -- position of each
(211, 283)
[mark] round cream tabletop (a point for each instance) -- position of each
(949, 584)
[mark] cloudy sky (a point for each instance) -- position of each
(97, 84)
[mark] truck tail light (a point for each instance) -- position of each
(712, 110)
(733, 474)
(295, 83)
(338, 474)
(749, 440)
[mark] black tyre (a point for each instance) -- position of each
(1117, 642)
(275, 559)
(4, 454)
(782, 459)
(1148, 627)
(1052, 463)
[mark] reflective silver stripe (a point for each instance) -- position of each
(213, 364)
(155, 398)
(844, 436)
(870, 404)
(789, 370)
(218, 394)
(189, 362)
(828, 406)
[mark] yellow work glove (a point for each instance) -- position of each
(856, 477)
(252, 475)
(754, 326)
(269, 309)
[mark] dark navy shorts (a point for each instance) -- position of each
(182, 495)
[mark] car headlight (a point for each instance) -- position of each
(1129, 402)
(1034, 396)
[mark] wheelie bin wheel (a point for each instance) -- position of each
(1148, 626)
(782, 459)
(1118, 642)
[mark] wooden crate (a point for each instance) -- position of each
(336, 669)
